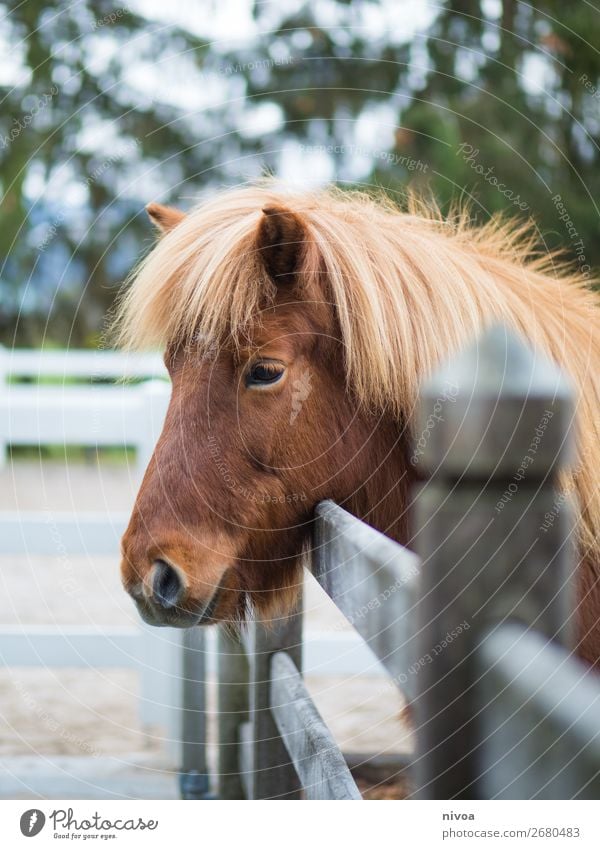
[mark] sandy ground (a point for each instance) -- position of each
(67, 713)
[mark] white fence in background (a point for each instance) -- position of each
(52, 398)
(74, 410)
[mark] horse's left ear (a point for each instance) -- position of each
(164, 218)
(281, 237)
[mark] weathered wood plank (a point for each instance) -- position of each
(372, 580)
(194, 781)
(316, 757)
(540, 719)
(232, 712)
(493, 425)
(272, 773)
(246, 754)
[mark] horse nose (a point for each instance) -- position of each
(167, 586)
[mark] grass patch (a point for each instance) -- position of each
(116, 455)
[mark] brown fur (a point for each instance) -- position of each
(359, 302)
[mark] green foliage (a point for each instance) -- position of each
(105, 109)
(542, 141)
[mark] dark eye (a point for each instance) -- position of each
(264, 373)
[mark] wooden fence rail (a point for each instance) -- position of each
(318, 762)
(49, 397)
(490, 468)
(65, 398)
(540, 726)
(475, 627)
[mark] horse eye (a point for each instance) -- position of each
(264, 373)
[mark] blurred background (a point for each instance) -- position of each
(108, 106)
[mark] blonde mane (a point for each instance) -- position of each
(408, 289)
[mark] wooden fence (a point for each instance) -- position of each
(80, 398)
(476, 628)
(77, 398)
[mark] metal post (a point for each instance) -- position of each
(490, 438)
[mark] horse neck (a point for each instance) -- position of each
(383, 500)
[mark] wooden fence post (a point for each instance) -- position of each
(232, 712)
(490, 437)
(193, 779)
(271, 772)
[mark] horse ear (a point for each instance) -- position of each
(281, 237)
(164, 217)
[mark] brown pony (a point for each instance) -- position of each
(297, 329)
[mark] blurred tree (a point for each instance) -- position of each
(81, 144)
(105, 109)
(515, 88)
(495, 100)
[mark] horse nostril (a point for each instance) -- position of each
(167, 588)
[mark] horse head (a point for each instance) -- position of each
(261, 426)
